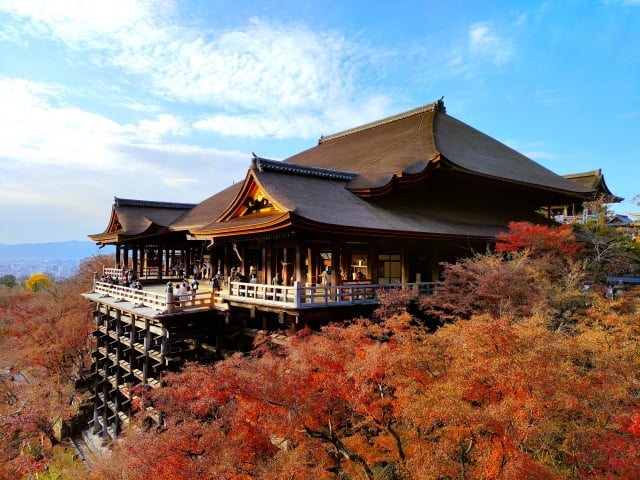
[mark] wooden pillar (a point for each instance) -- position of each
(134, 255)
(404, 258)
(147, 347)
(285, 267)
(105, 410)
(335, 264)
(242, 269)
(132, 349)
(105, 381)
(164, 347)
(226, 268)
(299, 262)
(264, 266)
(435, 263)
(118, 265)
(311, 267)
(98, 360)
(141, 254)
(160, 261)
(268, 263)
(344, 267)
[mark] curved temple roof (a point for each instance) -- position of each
(402, 148)
(399, 175)
(133, 218)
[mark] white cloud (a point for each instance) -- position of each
(153, 130)
(275, 125)
(86, 24)
(61, 162)
(264, 69)
(485, 43)
(38, 128)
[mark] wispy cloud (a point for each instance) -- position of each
(65, 155)
(550, 98)
(485, 42)
(483, 48)
(266, 69)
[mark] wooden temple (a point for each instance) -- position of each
(303, 241)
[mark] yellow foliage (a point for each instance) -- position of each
(38, 281)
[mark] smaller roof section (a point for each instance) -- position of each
(594, 179)
(134, 218)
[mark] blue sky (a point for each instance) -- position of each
(162, 100)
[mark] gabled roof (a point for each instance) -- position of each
(594, 179)
(307, 198)
(206, 211)
(133, 218)
(619, 220)
(404, 149)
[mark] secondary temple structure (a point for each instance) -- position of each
(316, 237)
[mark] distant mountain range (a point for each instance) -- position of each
(72, 250)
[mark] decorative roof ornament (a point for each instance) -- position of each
(128, 202)
(264, 164)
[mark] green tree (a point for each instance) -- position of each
(8, 281)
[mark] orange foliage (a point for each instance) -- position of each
(482, 398)
(45, 345)
(539, 239)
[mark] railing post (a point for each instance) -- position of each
(212, 300)
(297, 292)
(169, 298)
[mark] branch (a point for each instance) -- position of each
(342, 449)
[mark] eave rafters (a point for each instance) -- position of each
(452, 167)
(221, 230)
(299, 223)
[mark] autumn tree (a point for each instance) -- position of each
(44, 349)
(482, 398)
(609, 252)
(494, 393)
(37, 282)
(534, 268)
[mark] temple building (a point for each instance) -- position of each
(309, 239)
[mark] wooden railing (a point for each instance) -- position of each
(147, 272)
(300, 296)
(163, 302)
(113, 272)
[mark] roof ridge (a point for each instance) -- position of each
(437, 106)
(129, 202)
(589, 173)
(263, 164)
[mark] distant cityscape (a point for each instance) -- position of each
(58, 259)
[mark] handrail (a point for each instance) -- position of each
(157, 301)
(298, 296)
(146, 272)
